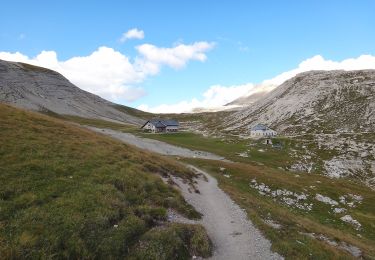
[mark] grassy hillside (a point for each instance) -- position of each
(253, 160)
(69, 193)
(297, 231)
(345, 155)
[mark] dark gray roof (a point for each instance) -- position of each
(157, 122)
(170, 122)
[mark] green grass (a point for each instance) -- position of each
(175, 242)
(230, 147)
(288, 240)
(257, 153)
(70, 193)
(223, 147)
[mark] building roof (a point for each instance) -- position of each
(157, 122)
(260, 127)
(170, 122)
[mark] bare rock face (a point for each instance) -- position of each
(36, 88)
(314, 102)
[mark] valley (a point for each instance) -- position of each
(187, 130)
(84, 170)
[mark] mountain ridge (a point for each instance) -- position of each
(36, 88)
(301, 96)
(248, 100)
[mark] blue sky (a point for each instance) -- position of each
(250, 41)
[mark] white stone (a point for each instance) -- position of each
(350, 220)
(326, 200)
(339, 210)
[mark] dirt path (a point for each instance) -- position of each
(233, 235)
(156, 146)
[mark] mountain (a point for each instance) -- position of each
(248, 100)
(314, 102)
(326, 120)
(36, 88)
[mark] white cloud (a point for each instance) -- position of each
(217, 96)
(109, 73)
(212, 99)
(15, 56)
(319, 63)
(176, 57)
(132, 34)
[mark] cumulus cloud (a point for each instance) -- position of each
(109, 73)
(212, 99)
(319, 63)
(217, 96)
(176, 57)
(132, 34)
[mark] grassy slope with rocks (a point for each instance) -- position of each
(331, 113)
(297, 232)
(303, 233)
(70, 193)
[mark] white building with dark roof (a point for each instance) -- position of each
(161, 125)
(261, 130)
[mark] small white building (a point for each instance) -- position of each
(260, 131)
(161, 126)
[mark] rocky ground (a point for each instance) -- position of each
(336, 155)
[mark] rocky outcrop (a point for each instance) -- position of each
(36, 88)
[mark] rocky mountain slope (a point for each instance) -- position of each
(36, 88)
(315, 102)
(248, 100)
(328, 118)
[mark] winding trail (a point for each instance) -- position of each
(234, 237)
(232, 234)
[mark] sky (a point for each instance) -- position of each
(175, 56)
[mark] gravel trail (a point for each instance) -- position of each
(233, 235)
(156, 146)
